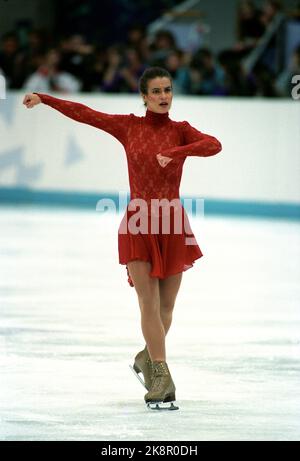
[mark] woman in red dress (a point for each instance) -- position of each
(152, 241)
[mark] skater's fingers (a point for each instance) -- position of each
(30, 100)
(27, 98)
(163, 161)
(160, 160)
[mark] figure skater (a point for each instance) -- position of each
(156, 148)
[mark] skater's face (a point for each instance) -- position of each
(159, 96)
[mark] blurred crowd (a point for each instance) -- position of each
(71, 63)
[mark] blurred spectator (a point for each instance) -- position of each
(207, 77)
(283, 83)
(8, 55)
(31, 56)
(95, 72)
(179, 72)
(74, 17)
(112, 77)
(77, 57)
(249, 27)
(137, 39)
(235, 83)
(132, 70)
(269, 11)
(95, 52)
(263, 80)
(135, 34)
(49, 77)
(164, 42)
(294, 13)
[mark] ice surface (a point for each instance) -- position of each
(70, 326)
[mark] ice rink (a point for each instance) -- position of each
(70, 328)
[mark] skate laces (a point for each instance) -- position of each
(160, 372)
(150, 364)
(160, 369)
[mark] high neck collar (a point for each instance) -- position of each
(155, 118)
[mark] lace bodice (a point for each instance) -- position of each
(143, 138)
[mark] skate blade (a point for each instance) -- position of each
(137, 375)
(162, 406)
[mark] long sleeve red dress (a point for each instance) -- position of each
(143, 138)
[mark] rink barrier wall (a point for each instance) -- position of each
(46, 157)
(88, 201)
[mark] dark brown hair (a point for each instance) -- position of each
(149, 74)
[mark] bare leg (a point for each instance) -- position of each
(147, 289)
(168, 290)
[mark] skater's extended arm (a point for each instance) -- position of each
(114, 124)
(195, 143)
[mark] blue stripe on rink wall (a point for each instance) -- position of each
(26, 196)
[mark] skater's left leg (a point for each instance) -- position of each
(168, 290)
(163, 387)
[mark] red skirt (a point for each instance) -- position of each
(170, 248)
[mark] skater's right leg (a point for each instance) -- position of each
(168, 290)
(147, 289)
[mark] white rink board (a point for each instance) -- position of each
(44, 150)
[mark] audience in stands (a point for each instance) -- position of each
(72, 63)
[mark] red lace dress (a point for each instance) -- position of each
(168, 249)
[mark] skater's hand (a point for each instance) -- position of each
(163, 161)
(30, 100)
